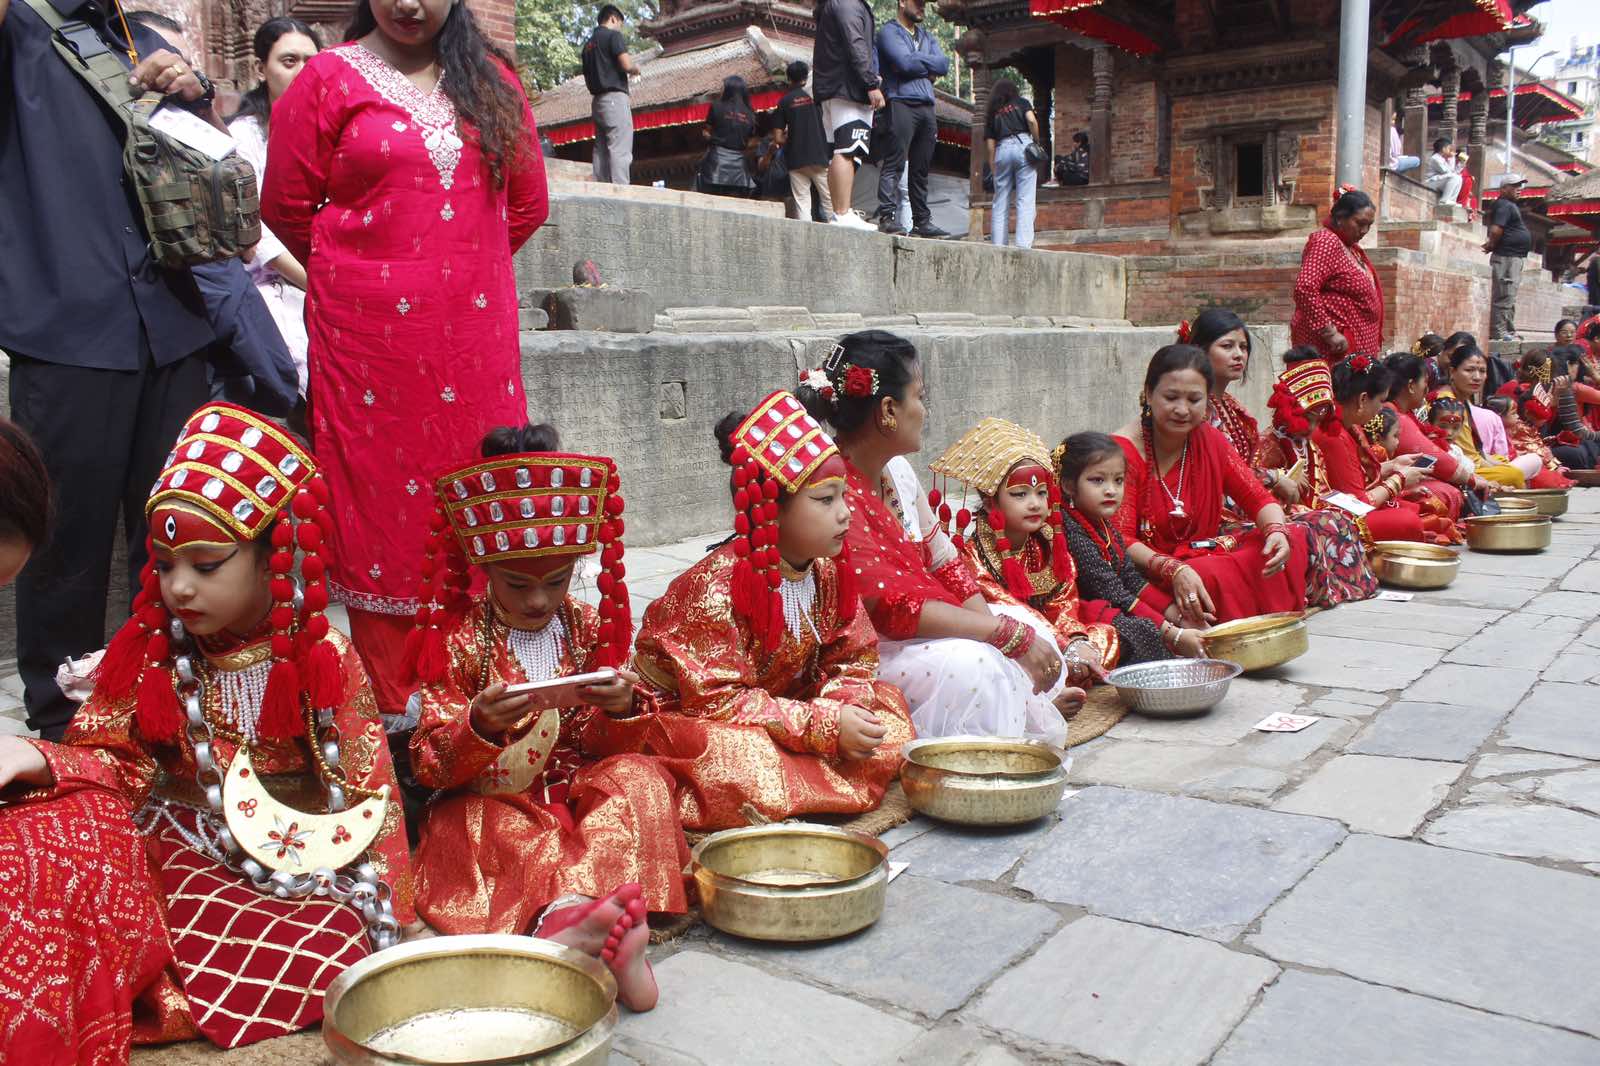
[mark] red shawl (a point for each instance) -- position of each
(893, 574)
(1210, 471)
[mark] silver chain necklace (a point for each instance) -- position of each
(1175, 497)
(357, 885)
(539, 651)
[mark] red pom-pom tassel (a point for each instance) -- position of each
(280, 705)
(158, 712)
(118, 672)
(324, 680)
(1016, 578)
(433, 658)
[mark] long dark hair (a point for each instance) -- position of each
(254, 104)
(1001, 93)
(476, 76)
(25, 499)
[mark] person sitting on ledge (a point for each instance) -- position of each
(760, 658)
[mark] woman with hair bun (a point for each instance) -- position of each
(1338, 300)
(965, 666)
(760, 659)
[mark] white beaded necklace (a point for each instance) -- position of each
(241, 693)
(799, 598)
(539, 651)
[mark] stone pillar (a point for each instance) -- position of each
(1100, 118)
(1450, 84)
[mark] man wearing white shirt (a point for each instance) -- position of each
(1442, 177)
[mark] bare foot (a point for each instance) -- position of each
(615, 931)
(1070, 702)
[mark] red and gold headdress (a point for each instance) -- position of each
(991, 456)
(535, 511)
(778, 447)
(232, 476)
(1302, 387)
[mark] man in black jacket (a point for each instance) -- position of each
(845, 79)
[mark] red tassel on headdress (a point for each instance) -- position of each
(1012, 571)
(280, 706)
(1060, 561)
(158, 713)
(120, 667)
(318, 661)
(849, 596)
(616, 607)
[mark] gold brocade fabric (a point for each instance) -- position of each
(1054, 600)
(587, 824)
(103, 747)
(741, 726)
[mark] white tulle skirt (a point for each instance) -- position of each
(960, 687)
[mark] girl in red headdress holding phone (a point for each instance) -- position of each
(535, 832)
(761, 657)
(226, 678)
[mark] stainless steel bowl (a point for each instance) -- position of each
(793, 881)
(1174, 688)
(479, 1000)
(983, 780)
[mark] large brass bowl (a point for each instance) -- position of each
(1552, 502)
(1259, 643)
(489, 999)
(1408, 565)
(795, 881)
(1508, 533)
(1516, 505)
(983, 780)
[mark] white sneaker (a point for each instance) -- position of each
(853, 220)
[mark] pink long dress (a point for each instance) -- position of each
(411, 311)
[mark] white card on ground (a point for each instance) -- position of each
(1286, 723)
(1346, 502)
(1398, 597)
(193, 131)
(896, 869)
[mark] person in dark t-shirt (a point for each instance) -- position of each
(730, 127)
(1508, 245)
(797, 124)
(606, 68)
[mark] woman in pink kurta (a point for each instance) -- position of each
(406, 205)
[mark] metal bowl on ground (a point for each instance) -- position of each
(1259, 642)
(1552, 502)
(1508, 533)
(1407, 564)
(795, 881)
(983, 780)
(1174, 688)
(1516, 505)
(473, 999)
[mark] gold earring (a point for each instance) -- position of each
(890, 423)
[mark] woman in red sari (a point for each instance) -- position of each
(1338, 301)
(404, 171)
(1180, 469)
(1448, 480)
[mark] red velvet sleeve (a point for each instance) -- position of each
(1415, 442)
(1128, 515)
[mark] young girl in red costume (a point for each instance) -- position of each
(1360, 469)
(761, 657)
(1521, 412)
(227, 676)
(535, 831)
(1019, 556)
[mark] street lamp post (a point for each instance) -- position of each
(1511, 97)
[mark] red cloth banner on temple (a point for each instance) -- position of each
(1079, 16)
(656, 118)
(1488, 16)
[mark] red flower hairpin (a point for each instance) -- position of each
(1361, 363)
(1341, 190)
(1185, 331)
(860, 381)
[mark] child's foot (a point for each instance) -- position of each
(613, 930)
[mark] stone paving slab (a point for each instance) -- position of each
(1290, 750)
(1126, 994)
(906, 958)
(1522, 570)
(1584, 605)
(1372, 794)
(954, 853)
(1427, 731)
(1504, 592)
(958, 1047)
(1310, 1019)
(1180, 863)
(1418, 613)
(1564, 719)
(1242, 784)
(1140, 764)
(785, 1023)
(1249, 700)
(1333, 624)
(1366, 664)
(1528, 831)
(1496, 688)
(1531, 642)
(1492, 933)
(1498, 765)
(1585, 577)
(1580, 789)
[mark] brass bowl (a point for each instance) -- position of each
(1516, 505)
(983, 780)
(1552, 502)
(1259, 643)
(488, 999)
(794, 881)
(1409, 565)
(1508, 533)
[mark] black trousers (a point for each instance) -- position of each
(105, 435)
(913, 135)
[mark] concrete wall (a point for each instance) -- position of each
(690, 257)
(664, 393)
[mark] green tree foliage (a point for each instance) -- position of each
(551, 32)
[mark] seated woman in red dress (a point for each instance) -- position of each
(1019, 557)
(532, 822)
(1355, 468)
(760, 658)
(1180, 469)
(1448, 479)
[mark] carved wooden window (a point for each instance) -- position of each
(1249, 173)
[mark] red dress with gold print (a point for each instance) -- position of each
(528, 819)
(247, 966)
(761, 730)
(1055, 599)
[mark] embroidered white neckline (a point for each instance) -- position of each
(433, 113)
